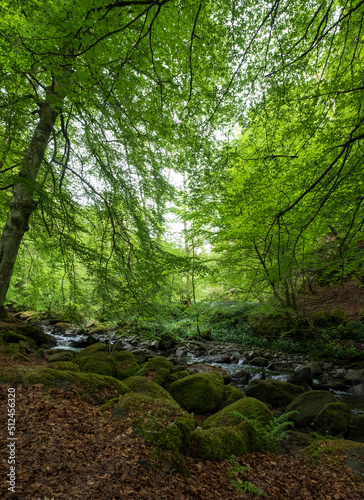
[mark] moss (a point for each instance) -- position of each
(333, 419)
(200, 393)
(13, 337)
(65, 365)
(219, 443)
(251, 408)
(173, 377)
(16, 351)
(161, 422)
(124, 356)
(125, 365)
(99, 362)
(91, 349)
(231, 394)
(143, 385)
(91, 387)
(273, 392)
(356, 428)
(328, 448)
(308, 405)
(157, 369)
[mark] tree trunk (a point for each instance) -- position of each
(23, 203)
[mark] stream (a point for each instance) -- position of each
(66, 340)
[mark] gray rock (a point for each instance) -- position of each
(357, 390)
(315, 369)
(355, 377)
(309, 406)
(259, 361)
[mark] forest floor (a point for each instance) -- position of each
(67, 449)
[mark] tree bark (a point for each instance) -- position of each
(23, 202)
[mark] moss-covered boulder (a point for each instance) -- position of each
(65, 365)
(125, 364)
(89, 386)
(91, 349)
(16, 351)
(160, 421)
(356, 428)
(250, 408)
(333, 419)
(206, 368)
(143, 385)
(273, 392)
(14, 337)
(219, 443)
(308, 405)
(157, 369)
(54, 355)
(200, 393)
(231, 394)
(98, 362)
(173, 377)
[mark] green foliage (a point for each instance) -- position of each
(239, 484)
(270, 435)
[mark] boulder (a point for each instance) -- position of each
(204, 368)
(91, 349)
(356, 429)
(98, 362)
(219, 443)
(200, 393)
(357, 390)
(89, 386)
(309, 405)
(231, 394)
(160, 421)
(333, 419)
(259, 361)
(125, 364)
(143, 385)
(300, 375)
(273, 392)
(250, 408)
(354, 377)
(157, 369)
(65, 365)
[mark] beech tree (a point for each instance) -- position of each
(94, 96)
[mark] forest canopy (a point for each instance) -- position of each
(258, 107)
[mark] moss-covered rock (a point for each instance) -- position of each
(273, 392)
(250, 408)
(65, 365)
(219, 443)
(157, 369)
(200, 393)
(356, 428)
(89, 386)
(308, 405)
(173, 377)
(16, 351)
(143, 385)
(333, 419)
(98, 362)
(231, 394)
(160, 421)
(58, 355)
(206, 368)
(14, 337)
(91, 349)
(125, 364)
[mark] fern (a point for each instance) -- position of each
(271, 434)
(239, 484)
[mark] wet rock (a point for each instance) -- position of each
(301, 375)
(357, 390)
(273, 392)
(356, 429)
(316, 369)
(355, 377)
(333, 419)
(166, 343)
(259, 361)
(309, 406)
(337, 385)
(204, 368)
(242, 377)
